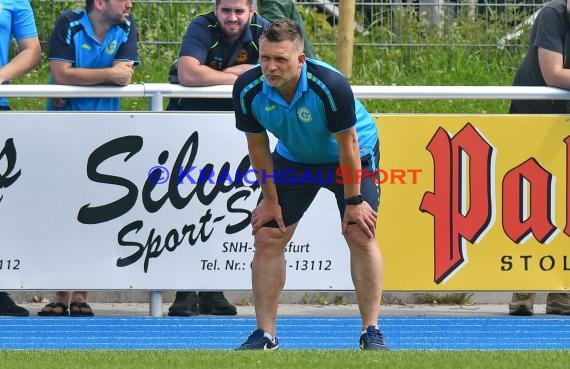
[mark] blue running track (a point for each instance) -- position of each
(338, 333)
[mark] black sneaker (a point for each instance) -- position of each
(259, 341)
(372, 339)
(215, 303)
(9, 308)
(185, 304)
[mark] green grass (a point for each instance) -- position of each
(314, 359)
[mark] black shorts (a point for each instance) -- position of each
(297, 184)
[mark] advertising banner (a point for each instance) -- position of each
(143, 201)
(475, 202)
(160, 201)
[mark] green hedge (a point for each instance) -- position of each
(398, 49)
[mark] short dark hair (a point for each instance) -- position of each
(283, 30)
(249, 2)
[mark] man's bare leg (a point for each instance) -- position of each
(268, 274)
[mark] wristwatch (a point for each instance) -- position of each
(354, 200)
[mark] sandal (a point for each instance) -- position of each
(80, 309)
(54, 305)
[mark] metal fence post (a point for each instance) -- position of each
(156, 304)
(156, 103)
(156, 296)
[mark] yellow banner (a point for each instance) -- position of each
(473, 202)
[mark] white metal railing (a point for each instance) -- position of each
(155, 92)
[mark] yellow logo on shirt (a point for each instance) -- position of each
(304, 115)
(86, 47)
(270, 107)
(242, 57)
(110, 49)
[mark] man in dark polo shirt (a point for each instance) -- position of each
(216, 49)
(546, 63)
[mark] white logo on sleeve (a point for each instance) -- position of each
(304, 115)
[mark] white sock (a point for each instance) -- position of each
(269, 336)
(374, 327)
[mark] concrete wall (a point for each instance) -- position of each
(245, 297)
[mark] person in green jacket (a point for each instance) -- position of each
(273, 10)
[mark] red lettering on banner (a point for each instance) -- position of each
(344, 172)
(532, 176)
(398, 174)
(454, 220)
(414, 175)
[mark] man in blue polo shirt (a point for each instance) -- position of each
(217, 47)
(95, 46)
(321, 127)
(16, 19)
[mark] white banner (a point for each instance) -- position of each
(81, 209)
